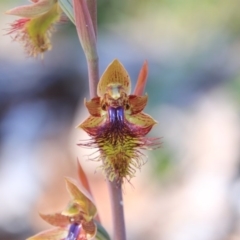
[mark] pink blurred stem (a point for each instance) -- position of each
(87, 36)
(93, 68)
(115, 189)
(92, 7)
(93, 76)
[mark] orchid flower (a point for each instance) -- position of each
(117, 126)
(34, 27)
(76, 222)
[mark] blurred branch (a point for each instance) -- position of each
(92, 8)
(87, 37)
(115, 189)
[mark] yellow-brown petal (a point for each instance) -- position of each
(52, 234)
(94, 106)
(141, 122)
(115, 75)
(72, 210)
(56, 219)
(32, 10)
(137, 103)
(82, 198)
(91, 124)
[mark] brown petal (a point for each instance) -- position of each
(82, 198)
(94, 106)
(52, 234)
(115, 75)
(56, 219)
(91, 124)
(90, 229)
(142, 80)
(83, 177)
(137, 103)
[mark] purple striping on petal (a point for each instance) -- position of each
(116, 114)
(112, 114)
(73, 232)
(120, 114)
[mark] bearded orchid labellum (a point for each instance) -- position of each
(76, 222)
(117, 125)
(34, 27)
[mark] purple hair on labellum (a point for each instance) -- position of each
(73, 231)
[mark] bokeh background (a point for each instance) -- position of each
(190, 187)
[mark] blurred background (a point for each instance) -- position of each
(190, 187)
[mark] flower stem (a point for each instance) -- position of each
(93, 76)
(115, 189)
(92, 7)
